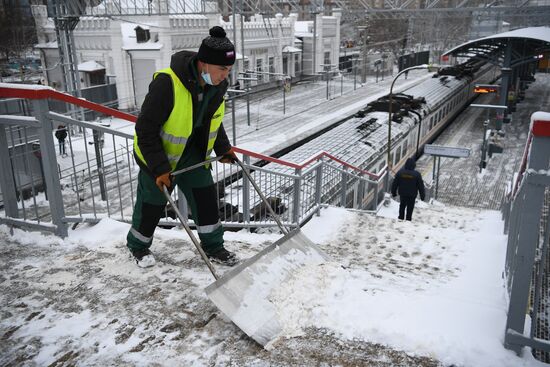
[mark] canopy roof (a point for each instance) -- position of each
(90, 66)
(527, 43)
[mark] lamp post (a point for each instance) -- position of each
(430, 68)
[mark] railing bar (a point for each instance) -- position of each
(19, 120)
(89, 171)
(118, 178)
(239, 198)
(77, 191)
(102, 160)
(26, 155)
(89, 125)
(21, 197)
(130, 163)
(256, 168)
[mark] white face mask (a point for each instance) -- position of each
(206, 77)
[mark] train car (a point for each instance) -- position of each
(420, 114)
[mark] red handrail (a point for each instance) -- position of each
(43, 92)
(307, 162)
(541, 128)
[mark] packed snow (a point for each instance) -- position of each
(423, 293)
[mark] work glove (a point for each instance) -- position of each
(229, 157)
(164, 180)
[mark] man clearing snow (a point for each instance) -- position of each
(408, 182)
(179, 125)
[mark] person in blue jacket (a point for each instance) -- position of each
(408, 182)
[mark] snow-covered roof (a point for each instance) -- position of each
(238, 56)
(129, 40)
(538, 35)
(188, 16)
(302, 26)
(52, 44)
(291, 49)
(25, 86)
(90, 66)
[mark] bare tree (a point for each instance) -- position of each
(18, 33)
(387, 34)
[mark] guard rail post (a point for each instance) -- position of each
(522, 265)
(98, 147)
(524, 240)
(360, 193)
(376, 193)
(9, 192)
(47, 148)
(318, 186)
(506, 214)
(344, 187)
(246, 192)
(516, 208)
(296, 205)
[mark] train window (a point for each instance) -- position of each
(405, 146)
(439, 115)
(397, 155)
(431, 122)
(382, 164)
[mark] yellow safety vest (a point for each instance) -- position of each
(178, 128)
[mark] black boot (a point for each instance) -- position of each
(222, 256)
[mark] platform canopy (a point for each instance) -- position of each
(526, 44)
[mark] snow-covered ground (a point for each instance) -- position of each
(423, 293)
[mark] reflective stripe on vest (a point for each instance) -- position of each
(176, 131)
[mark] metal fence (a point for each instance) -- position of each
(526, 268)
(94, 177)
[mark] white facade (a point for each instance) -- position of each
(327, 43)
(270, 46)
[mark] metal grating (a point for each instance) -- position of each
(540, 311)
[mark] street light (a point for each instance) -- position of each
(431, 68)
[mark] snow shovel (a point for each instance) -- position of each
(243, 293)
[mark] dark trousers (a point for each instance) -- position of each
(201, 194)
(406, 202)
(62, 147)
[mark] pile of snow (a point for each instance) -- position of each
(432, 287)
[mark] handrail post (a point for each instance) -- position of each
(9, 193)
(47, 149)
(360, 193)
(318, 186)
(98, 146)
(246, 193)
(344, 187)
(297, 197)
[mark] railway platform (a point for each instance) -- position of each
(460, 180)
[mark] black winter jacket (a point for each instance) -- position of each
(158, 105)
(61, 133)
(408, 181)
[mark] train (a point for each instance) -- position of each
(419, 114)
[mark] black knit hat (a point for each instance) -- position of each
(217, 49)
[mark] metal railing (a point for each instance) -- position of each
(96, 177)
(526, 221)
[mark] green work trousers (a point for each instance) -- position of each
(202, 198)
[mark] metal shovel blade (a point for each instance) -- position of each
(243, 293)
